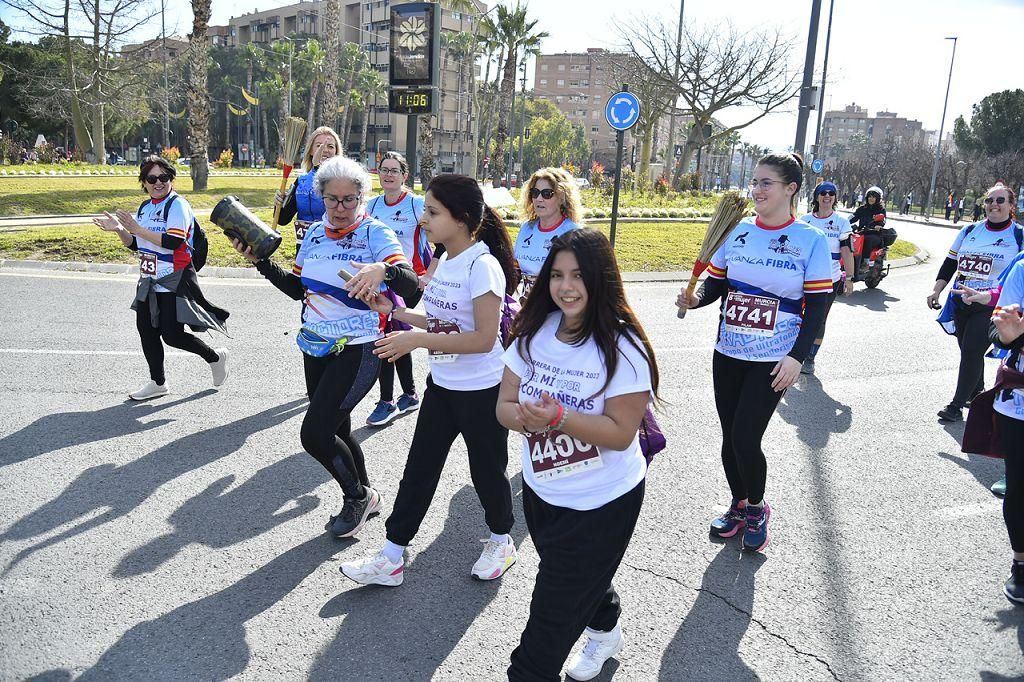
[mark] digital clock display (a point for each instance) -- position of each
(416, 101)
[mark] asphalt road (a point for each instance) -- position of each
(183, 539)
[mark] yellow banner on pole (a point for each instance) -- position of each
(249, 98)
(236, 111)
(179, 114)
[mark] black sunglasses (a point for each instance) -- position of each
(826, 193)
(546, 193)
(998, 200)
(153, 179)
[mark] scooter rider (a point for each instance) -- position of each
(869, 220)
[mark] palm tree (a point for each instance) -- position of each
(315, 54)
(198, 96)
(490, 42)
(465, 47)
(351, 62)
(332, 39)
(370, 85)
(517, 33)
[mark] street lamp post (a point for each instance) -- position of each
(824, 74)
(676, 170)
(807, 88)
(938, 145)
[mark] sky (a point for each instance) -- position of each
(886, 55)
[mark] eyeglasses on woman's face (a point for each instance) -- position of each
(153, 179)
(998, 200)
(546, 193)
(765, 184)
(331, 201)
(826, 193)
(389, 171)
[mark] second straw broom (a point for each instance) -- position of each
(729, 213)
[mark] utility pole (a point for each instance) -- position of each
(291, 51)
(938, 145)
(676, 168)
(163, 50)
(824, 74)
(522, 121)
(807, 88)
(511, 117)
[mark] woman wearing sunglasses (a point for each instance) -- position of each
(339, 326)
(550, 206)
(302, 202)
(401, 210)
(980, 253)
(161, 232)
(837, 229)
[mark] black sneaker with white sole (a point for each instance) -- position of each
(1013, 588)
(951, 413)
(354, 513)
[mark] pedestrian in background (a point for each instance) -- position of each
(949, 205)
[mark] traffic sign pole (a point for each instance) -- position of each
(619, 137)
(621, 112)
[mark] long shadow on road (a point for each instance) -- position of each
(67, 429)
(872, 299)
(815, 413)
(217, 519)
(707, 643)
(117, 490)
(407, 632)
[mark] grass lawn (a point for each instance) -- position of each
(646, 247)
(78, 195)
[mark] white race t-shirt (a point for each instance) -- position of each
(402, 217)
(534, 242)
(572, 375)
(448, 302)
(836, 228)
(155, 261)
(981, 254)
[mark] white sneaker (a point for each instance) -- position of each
(375, 570)
(149, 391)
(220, 368)
(600, 646)
(496, 558)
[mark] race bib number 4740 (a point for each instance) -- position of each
(747, 314)
(556, 455)
(974, 266)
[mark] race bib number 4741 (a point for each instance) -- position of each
(747, 314)
(556, 455)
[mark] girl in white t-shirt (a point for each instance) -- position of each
(463, 304)
(578, 378)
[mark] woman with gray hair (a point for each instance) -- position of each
(345, 260)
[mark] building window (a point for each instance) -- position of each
(593, 129)
(584, 84)
(560, 83)
(543, 67)
(543, 81)
(561, 67)
(574, 84)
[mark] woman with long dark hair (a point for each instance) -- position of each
(578, 378)
(774, 277)
(162, 233)
(460, 330)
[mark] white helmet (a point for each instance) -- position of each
(876, 190)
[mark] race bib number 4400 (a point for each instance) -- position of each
(436, 326)
(974, 266)
(556, 455)
(747, 314)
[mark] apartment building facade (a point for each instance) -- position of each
(579, 84)
(367, 24)
(840, 127)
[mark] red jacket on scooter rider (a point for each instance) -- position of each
(869, 220)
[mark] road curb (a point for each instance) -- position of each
(214, 272)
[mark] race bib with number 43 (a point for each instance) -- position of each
(754, 315)
(556, 455)
(147, 264)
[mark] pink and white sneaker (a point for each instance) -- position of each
(375, 570)
(496, 558)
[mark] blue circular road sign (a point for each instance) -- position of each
(622, 110)
(817, 165)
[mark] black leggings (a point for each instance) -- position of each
(972, 324)
(580, 551)
(746, 402)
(1012, 435)
(831, 298)
(444, 415)
(335, 384)
(387, 377)
(171, 331)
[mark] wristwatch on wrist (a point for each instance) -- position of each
(389, 273)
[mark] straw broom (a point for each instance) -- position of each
(294, 131)
(730, 211)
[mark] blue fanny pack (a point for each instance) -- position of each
(317, 345)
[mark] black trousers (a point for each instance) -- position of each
(171, 332)
(872, 240)
(580, 551)
(403, 366)
(335, 384)
(746, 402)
(1012, 435)
(972, 322)
(444, 415)
(836, 288)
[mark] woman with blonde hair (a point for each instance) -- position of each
(302, 202)
(550, 207)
